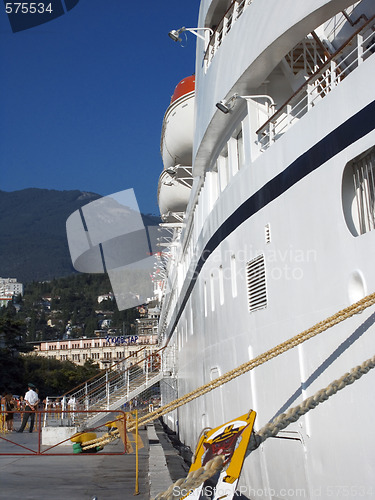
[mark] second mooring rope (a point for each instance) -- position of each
(180, 488)
(320, 327)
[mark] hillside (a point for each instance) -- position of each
(47, 308)
(33, 243)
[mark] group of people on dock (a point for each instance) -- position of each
(26, 405)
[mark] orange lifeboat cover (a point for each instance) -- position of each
(184, 87)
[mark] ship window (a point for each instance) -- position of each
(179, 340)
(205, 298)
(191, 321)
(233, 267)
(267, 233)
(223, 169)
(213, 184)
(358, 193)
(221, 285)
(212, 287)
(256, 283)
(240, 150)
(232, 157)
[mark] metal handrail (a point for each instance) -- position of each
(102, 372)
(315, 75)
(105, 381)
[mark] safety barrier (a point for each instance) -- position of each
(55, 439)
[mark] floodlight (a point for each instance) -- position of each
(222, 106)
(172, 171)
(175, 34)
(226, 105)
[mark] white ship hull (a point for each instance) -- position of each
(290, 205)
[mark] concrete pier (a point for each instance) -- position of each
(87, 476)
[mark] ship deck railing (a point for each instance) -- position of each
(234, 11)
(359, 47)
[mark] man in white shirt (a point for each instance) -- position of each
(32, 400)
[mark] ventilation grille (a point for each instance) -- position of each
(256, 283)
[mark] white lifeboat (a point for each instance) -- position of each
(176, 148)
(174, 191)
(178, 125)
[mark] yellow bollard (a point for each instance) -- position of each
(2, 422)
(136, 492)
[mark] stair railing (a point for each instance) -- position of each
(83, 387)
(102, 389)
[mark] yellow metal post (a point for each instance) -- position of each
(136, 492)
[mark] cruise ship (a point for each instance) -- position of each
(268, 199)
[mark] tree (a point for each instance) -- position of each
(12, 332)
(91, 325)
(12, 340)
(54, 377)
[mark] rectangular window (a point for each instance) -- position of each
(240, 155)
(205, 298)
(191, 321)
(232, 157)
(223, 169)
(221, 285)
(179, 340)
(233, 274)
(212, 289)
(213, 187)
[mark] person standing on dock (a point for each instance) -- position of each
(9, 406)
(31, 400)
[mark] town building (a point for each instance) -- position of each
(107, 296)
(11, 285)
(147, 324)
(105, 351)
(9, 288)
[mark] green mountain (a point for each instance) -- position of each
(33, 243)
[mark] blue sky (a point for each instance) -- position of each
(83, 96)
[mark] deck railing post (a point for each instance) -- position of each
(360, 48)
(107, 388)
(86, 397)
(333, 75)
(45, 414)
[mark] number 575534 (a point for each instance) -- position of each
(27, 8)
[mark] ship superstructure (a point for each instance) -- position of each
(268, 194)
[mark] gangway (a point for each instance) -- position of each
(112, 388)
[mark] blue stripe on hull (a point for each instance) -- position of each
(346, 134)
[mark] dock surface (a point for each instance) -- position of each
(88, 476)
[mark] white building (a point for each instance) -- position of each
(105, 351)
(10, 286)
